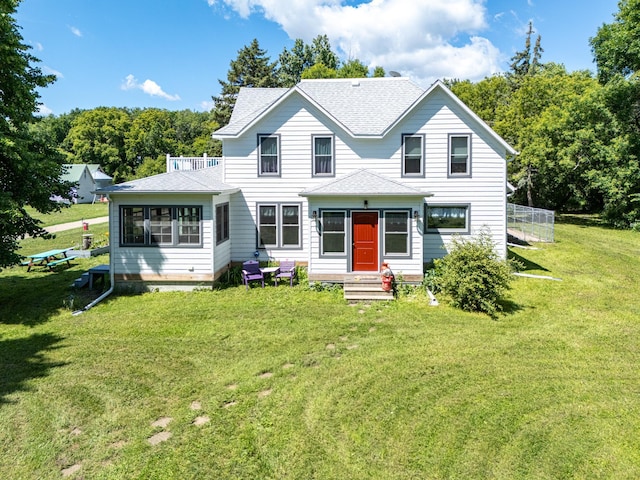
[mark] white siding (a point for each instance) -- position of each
(295, 121)
(186, 263)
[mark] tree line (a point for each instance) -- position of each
(578, 135)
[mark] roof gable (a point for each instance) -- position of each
(362, 107)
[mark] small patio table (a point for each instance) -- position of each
(269, 271)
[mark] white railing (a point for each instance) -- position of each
(530, 224)
(191, 163)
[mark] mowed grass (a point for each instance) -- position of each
(72, 213)
(292, 384)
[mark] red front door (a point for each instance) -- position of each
(365, 241)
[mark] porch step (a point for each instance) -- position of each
(365, 288)
(82, 281)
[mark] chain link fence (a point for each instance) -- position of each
(530, 224)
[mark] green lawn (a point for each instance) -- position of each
(72, 213)
(291, 384)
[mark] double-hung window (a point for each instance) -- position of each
(396, 233)
(413, 155)
(160, 226)
(279, 226)
(460, 155)
(334, 233)
(323, 158)
(269, 155)
(447, 218)
(222, 222)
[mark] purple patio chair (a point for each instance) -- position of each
(251, 271)
(287, 270)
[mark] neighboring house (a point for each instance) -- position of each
(87, 178)
(339, 175)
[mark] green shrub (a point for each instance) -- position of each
(473, 274)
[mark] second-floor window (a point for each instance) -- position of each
(412, 155)
(460, 155)
(269, 155)
(323, 156)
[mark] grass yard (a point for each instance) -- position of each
(72, 213)
(288, 383)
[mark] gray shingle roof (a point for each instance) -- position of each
(362, 106)
(206, 180)
(363, 182)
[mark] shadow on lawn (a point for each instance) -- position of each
(22, 359)
(527, 264)
(31, 298)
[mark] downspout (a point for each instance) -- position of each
(112, 274)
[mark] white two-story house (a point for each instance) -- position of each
(339, 175)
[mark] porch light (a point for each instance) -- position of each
(415, 214)
(366, 204)
(314, 215)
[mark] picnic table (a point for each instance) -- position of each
(49, 259)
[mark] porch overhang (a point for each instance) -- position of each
(364, 183)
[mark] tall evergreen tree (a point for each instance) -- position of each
(30, 167)
(252, 68)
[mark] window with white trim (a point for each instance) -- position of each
(269, 155)
(413, 155)
(279, 226)
(323, 158)
(460, 155)
(396, 233)
(160, 226)
(447, 218)
(222, 223)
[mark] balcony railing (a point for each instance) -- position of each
(191, 163)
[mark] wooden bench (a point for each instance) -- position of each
(53, 263)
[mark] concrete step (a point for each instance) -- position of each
(367, 288)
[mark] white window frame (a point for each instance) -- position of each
(404, 155)
(450, 155)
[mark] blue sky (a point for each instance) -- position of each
(170, 54)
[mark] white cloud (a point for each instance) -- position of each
(75, 31)
(425, 40)
(43, 110)
(38, 46)
(50, 71)
(207, 105)
(148, 86)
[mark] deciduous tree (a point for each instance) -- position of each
(30, 167)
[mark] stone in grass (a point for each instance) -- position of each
(67, 472)
(195, 405)
(159, 438)
(202, 420)
(266, 375)
(162, 422)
